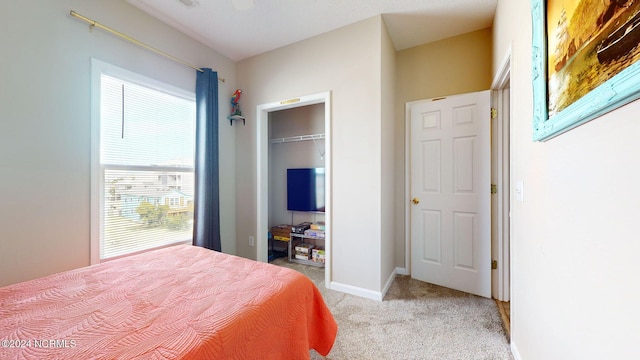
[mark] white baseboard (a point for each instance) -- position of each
(514, 351)
(402, 271)
(365, 293)
(353, 290)
(387, 285)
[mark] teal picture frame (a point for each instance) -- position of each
(611, 94)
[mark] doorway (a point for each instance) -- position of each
(502, 227)
(501, 174)
(450, 207)
(262, 156)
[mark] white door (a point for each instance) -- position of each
(450, 192)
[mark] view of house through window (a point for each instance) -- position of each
(147, 139)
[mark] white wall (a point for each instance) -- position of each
(45, 146)
(304, 120)
(347, 63)
(575, 238)
(387, 153)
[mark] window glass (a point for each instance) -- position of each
(147, 139)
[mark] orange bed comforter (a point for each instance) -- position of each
(181, 302)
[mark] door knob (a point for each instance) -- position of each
(415, 201)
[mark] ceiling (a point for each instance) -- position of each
(239, 29)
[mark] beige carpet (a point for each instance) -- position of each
(416, 320)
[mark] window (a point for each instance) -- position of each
(143, 163)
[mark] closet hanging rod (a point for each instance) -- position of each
(92, 23)
(297, 138)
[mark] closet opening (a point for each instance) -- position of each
(294, 181)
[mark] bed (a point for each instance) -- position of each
(180, 302)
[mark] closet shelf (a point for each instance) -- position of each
(297, 138)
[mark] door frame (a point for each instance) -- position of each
(501, 238)
(499, 86)
(262, 171)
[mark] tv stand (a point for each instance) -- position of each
(297, 239)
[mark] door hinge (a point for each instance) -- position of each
(494, 188)
(494, 264)
(494, 113)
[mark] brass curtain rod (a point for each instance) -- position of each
(93, 23)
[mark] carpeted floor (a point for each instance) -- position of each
(415, 320)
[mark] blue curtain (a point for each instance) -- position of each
(206, 211)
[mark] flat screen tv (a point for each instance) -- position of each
(305, 189)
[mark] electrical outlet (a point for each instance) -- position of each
(251, 241)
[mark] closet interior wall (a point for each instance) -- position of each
(285, 124)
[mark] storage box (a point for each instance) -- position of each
(319, 234)
(302, 256)
(318, 255)
(304, 249)
(280, 232)
(318, 226)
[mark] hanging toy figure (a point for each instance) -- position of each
(235, 107)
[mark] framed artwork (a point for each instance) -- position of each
(585, 61)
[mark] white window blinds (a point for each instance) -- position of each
(147, 139)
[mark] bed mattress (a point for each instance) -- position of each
(180, 302)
